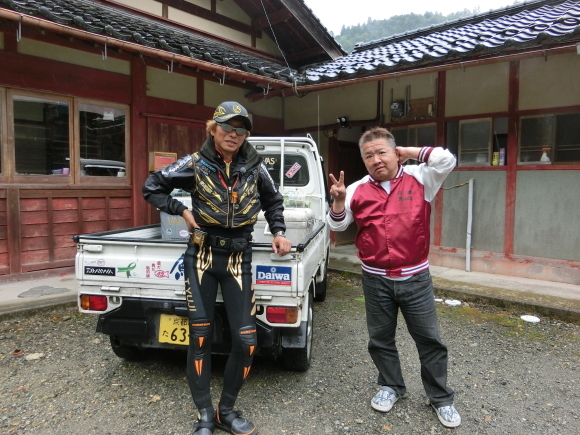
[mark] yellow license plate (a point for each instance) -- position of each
(173, 329)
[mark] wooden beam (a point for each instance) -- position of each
(313, 26)
(139, 152)
(30, 72)
(511, 157)
(440, 142)
(40, 191)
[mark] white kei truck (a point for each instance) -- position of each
(133, 278)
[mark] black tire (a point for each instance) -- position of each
(125, 351)
(298, 359)
(320, 287)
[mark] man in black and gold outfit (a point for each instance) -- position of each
(229, 185)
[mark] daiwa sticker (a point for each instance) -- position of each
(104, 271)
(273, 275)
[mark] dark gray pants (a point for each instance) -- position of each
(414, 297)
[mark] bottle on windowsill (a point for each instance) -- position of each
(545, 159)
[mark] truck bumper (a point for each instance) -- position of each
(136, 323)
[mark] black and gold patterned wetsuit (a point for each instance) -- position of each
(205, 267)
(226, 200)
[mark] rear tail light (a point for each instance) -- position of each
(93, 303)
(282, 314)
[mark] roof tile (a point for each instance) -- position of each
(104, 20)
(521, 25)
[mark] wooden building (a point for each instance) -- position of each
(88, 89)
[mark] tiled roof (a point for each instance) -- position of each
(515, 27)
(107, 21)
(519, 26)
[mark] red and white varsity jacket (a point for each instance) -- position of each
(393, 217)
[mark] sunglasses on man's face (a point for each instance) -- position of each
(228, 128)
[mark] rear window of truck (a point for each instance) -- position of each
(295, 171)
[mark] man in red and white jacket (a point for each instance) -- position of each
(391, 207)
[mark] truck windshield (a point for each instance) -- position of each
(295, 171)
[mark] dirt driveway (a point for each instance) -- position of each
(57, 376)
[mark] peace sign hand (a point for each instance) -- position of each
(338, 189)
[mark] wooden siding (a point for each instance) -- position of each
(173, 135)
(46, 221)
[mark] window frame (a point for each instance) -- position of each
(415, 127)
(8, 142)
(93, 179)
(489, 142)
(553, 146)
(35, 178)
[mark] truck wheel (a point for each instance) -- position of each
(298, 359)
(320, 287)
(122, 350)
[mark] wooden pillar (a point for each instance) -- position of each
(440, 142)
(511, 157)
(139, 151)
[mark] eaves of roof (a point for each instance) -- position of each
(91, 20)
(489, 35)
(494, 33)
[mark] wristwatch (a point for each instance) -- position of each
(280, 233)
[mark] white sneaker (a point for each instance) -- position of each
(448, 416)
(384, 399)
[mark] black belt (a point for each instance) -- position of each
(202, 238)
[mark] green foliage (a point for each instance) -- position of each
(377, 29)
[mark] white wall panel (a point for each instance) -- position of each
(209, 26)
(550, 82)
(150, 6)
(215, 94)
(477, 90)
(357, 102)
(76, 57)
(174, 86)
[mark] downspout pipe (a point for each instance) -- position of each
(469, 226)
(141, 49)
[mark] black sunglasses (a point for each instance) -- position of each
(227, 128)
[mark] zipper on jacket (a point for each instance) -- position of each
(232, 200)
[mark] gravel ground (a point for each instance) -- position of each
(57, 376)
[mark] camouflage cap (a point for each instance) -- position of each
(230, 109)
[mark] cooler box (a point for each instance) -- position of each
(173, 227)
(299, 225)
